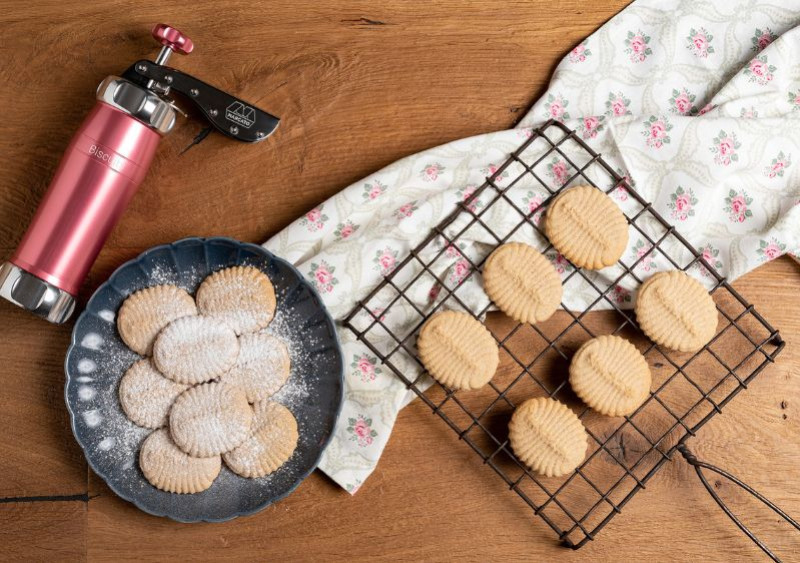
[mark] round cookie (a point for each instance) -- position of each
(610, 375)
(195, 349)
(522, 283)
(587, 227)
(146, 395)
(675, 311)
(167, 468)
(146, 312)
(547, 436)
(242, 297)
(210, 419)
(262, 367)
(271, 444)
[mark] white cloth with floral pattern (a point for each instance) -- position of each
(696, 102)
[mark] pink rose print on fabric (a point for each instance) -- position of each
(637, 46)
(640, 252)
(431, 172)
(464, 195)
(579, 53)
(749, 113)
(724, 148)
(770, 249)
(460, 271)
(737, 206)
(434, 292)
(620, 193)
(700, 42)
(778, 166)
(361, 430)
(590, 126)
(794, 100)
(656, 130)
(366, 367)
(453, 251)
(761, 39)
(556, 107)
(353, 488)
(385, 260)
(491, 170)
(682, 102)
(620, 295)
(373, 190)
(706, 108)
(322, 276)
(681, 203)
(560, 263)
(345, 230)
(314, 220)
(533, 204)
(406, 210)
(559, 171)
(760, 71)
(617, 104)
(710, 255)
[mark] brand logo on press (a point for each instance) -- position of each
(113, 160)
(241, 114)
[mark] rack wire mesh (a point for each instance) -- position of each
(624, 453)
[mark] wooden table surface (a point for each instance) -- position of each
(358, 85)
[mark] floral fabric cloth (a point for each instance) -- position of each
(695, 102)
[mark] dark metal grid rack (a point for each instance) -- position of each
(577, 506)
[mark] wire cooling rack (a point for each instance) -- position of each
(624, 453)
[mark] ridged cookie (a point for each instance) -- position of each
(587, 227)
(457, 350)
(610, 375)
(242, 297)
(146, 396)
(547, 436)
(210, 419)
(522, 283)
(676, 311)
(167, 468)
(262, 367)
(195, 349)
(146, 312)
(271, 444)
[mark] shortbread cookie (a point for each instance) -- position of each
(676, 311)
(210, 419)
(242, 297)
(522, 283)
(146, 312)
(547, 436)
(457, 350)
(195, 349)
(167, 468)
(587, 227)
(146, 395)
(271, 444)
(262, 367)
(610, 375)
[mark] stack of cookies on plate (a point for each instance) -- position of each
(608, 373)
(206, 379)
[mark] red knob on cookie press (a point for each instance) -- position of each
(173, 40)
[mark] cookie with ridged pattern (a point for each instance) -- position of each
(242, 297)
(168, 468)
(270, 445)
(146, 312)
(522, 282)
(587, 227)
(262, 367)
(610, 375)
(675, 311)
(146, 396)
(457, 350)
(210, 419)
(547, 436)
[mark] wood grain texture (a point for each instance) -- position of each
(358, 85)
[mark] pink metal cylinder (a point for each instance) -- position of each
(99, 173)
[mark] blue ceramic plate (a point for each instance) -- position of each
(97, 359)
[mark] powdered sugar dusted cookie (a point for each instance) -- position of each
(242, 297)
(146, 312)
(146, 395)
(195, 349)
(210, 419)
(271, 444)
(167, 468)
(262, 368)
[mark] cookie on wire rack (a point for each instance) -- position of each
(270, 445)
(146, 312)
(168, 468)
(242, 297)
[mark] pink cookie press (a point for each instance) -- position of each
(103, 166)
